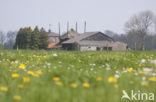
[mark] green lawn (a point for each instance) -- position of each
(60, 76)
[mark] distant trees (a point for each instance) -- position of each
(10, 39)
(138, 27)
(43, 39)
(2, 38)
(35, 42)
(130, 39)
(31, 39)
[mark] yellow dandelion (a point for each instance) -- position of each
(115, 86)
(153, 79)
(31, 72)
(98, 79)
(86, 85)
(144, 84)
(17, 97)
(12, 62)
(22, 66)
(15, 75)
(58, 83)
(39, 72)
(3, 88)
(20, 86)
(139, 65)
(36, 75)
(74, 85)
(142, 72)
(26, 79)
(56, 78)
(112, 79)
(8, 60)
(129, 70)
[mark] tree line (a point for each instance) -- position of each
(140, 32)
(31, 39)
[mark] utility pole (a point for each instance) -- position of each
(76, 26)
(67, 27)
(85, 27)
(59, 30)
(49, 28)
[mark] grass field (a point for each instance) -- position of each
(60, 76)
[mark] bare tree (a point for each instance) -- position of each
(2, 38)
(140, 25)
(10, 39)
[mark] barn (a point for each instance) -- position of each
(88, 41)
(117, 46)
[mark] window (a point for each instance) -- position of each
(97, 48)
(110, 48)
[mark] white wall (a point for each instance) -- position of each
(87, 48)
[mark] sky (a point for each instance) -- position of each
(100, 15)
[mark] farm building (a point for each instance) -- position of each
(53, 37)
(117, 46)
(70, 34)
(89, 41)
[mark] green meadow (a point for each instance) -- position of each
(61, 76)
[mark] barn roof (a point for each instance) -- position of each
(85, 35)
(115, 43)
(52, 45)
(70, 34)
(53, 34)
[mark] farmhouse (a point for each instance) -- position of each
(53, 37)
(70, 34)
(88, 41)
(117, 46)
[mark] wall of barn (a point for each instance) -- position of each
(119, 47)
(88, 48)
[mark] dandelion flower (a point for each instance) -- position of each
(115, 86)
(74, 85)
(22, 66)
(129, 70)
(26, 79)
(98, 79)
(112, 79)
(56, 78)
(17, 97)
(20, 86)
(3, 88)
(142, 72)
(39, 72)
(31, 72)
(86, 85)
(153, 79)
(58, 83)
(144, 84)
(15, 75)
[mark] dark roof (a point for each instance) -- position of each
(70, 34)
(85, 35)
(115, 43)
(52, 44)
(53, 34)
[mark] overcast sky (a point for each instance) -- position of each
(100, 15)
